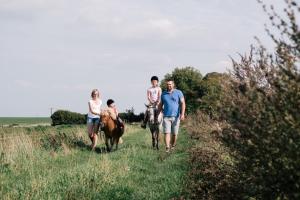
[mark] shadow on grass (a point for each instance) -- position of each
(83, 146)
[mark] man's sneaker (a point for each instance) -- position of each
(173, 147)
(167, 149)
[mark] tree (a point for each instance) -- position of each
(214, 86)
(66, 117)
(188, 80)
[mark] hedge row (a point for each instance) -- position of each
(66, 117)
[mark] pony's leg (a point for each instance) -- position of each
(117, 142)
(107, 144)
(157, 139)
(153, 138)
(111, 143)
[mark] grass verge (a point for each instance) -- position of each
(65, 168)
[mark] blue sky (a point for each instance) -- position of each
(54, 52)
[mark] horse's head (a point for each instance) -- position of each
(104, 118)
(152, 114)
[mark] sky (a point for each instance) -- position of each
(54, 52)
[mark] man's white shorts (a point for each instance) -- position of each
(171, 125)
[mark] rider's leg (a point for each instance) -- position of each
(143, 125)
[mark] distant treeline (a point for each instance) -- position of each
(60, 117)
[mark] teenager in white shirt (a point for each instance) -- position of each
(153, 96)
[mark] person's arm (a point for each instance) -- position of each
(159, 107)
(92, 111)
(182, 109)
(159, 96)
(149, 96)
(116, 111)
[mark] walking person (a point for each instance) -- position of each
(93, 118)
(173, 106)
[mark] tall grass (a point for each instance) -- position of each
(56, 163)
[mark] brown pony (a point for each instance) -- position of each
(111, 130)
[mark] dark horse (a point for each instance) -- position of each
(111, 130)
(154, 122)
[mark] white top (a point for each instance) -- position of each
(153, 93)
(95, 107)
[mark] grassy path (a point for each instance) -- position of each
(135, 171)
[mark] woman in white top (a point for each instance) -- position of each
(93, 118)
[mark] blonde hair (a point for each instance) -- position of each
(94, 91)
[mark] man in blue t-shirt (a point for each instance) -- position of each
(173, 105)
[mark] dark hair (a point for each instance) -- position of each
(154, 78)
(170, 79)
(109, 102)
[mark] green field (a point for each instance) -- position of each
(21, 121)
(56, 163)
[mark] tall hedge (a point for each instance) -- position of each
(66, 117)
(265, 109)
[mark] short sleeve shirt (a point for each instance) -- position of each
(171, 103)
(96, 107)
(154, 91)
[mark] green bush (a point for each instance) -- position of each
(212, 170)
(66, 117)
(214, 86)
